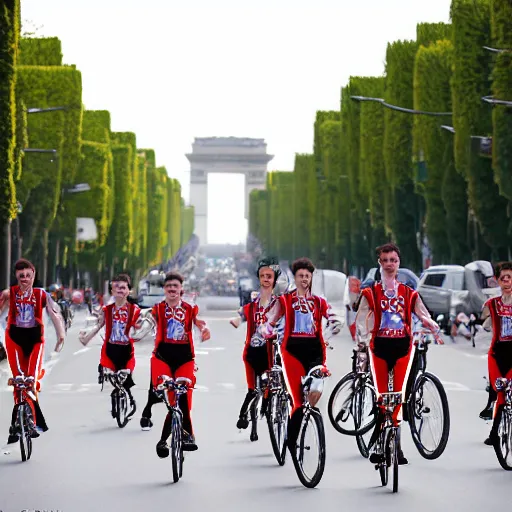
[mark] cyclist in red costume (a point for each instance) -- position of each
(384, 320)
(257, 354)
(120, 319)
(174, 353)
(497, 317)
(303, 345)
(24, 336)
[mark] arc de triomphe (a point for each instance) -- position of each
(224, 155)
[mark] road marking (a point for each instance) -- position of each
(200, 388)
(84, 387)
(63, 387)
(227, 385)
(201, 353)
(81, 351)
(214, 348)
(454, 386)
(476, 356)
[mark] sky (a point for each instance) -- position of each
(171, 70)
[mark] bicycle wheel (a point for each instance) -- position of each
(254, 411)
(277, 419)
(383, 466)
(429, 416)
(362, 442)
(176, 449)
(121, 408)
(392, 456)
(351, 404)
(24, 413)
(503, 442)
(309, 451)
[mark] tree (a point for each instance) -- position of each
(9, 35)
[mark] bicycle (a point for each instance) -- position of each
(24, 425)
(502, 425)
(278, 406)
(388, 439)
(120, 398)
(312, 424)
(179, 386)
(419, 412)
(356, 415)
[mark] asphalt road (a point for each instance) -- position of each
(85, 462)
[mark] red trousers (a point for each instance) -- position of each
(117, 357)
(401, 366)
(159, 367)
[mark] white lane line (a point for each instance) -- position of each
(81, 351)
(201, 353)
(84, 387)
(476, 356)
(213, 348)
(200, 388)
(63, 387)
(227, 385)
(454, 386)
(216, 318)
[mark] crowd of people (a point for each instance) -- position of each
(383, 316)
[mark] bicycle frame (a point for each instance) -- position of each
(117, 379)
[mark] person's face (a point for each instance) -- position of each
(173, 289)
(505, 281)
(389, 262)
(120, 289)
(25, 277)
(303, 279)
(266, 275)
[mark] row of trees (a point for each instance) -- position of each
(379, 174)
(138, 209)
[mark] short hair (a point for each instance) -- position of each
(387, 248)
(173, 276)
(123, 278)
(22, 264)
(505, 265)
(302, 263)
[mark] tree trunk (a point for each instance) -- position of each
(5, 255)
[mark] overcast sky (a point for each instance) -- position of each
(172, 70)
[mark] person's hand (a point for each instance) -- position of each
(60, 344)
(81, 338)
(205, 334)
(235, 322)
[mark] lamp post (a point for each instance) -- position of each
(400, 109)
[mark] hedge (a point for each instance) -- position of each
(303, 168)
(446, 213)
(472, 117)
(501, 25)
(9, 34)
(121, 231)
(371, 163)
(402, 203)
(96, 126)
(40, 51)
(429, 33)
(187, 222)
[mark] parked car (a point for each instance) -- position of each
(448, 290)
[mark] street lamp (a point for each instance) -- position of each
(492, 101)
(42, 110)
(497, 50)
(400, 109)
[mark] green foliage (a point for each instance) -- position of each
(121, 231)
(371, 163)
(40, 51)
(359, 202)
(96, 126)
(427, 33)
(488, 206)
(321, 117)
(304, 171)
(94, 169)
(471, 72)
(9, 34)
(472, 117)
(187, 224)
(432, 92)
(501, 22)
(401, 201)
(155, 194)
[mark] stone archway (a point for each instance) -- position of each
(224, 155)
